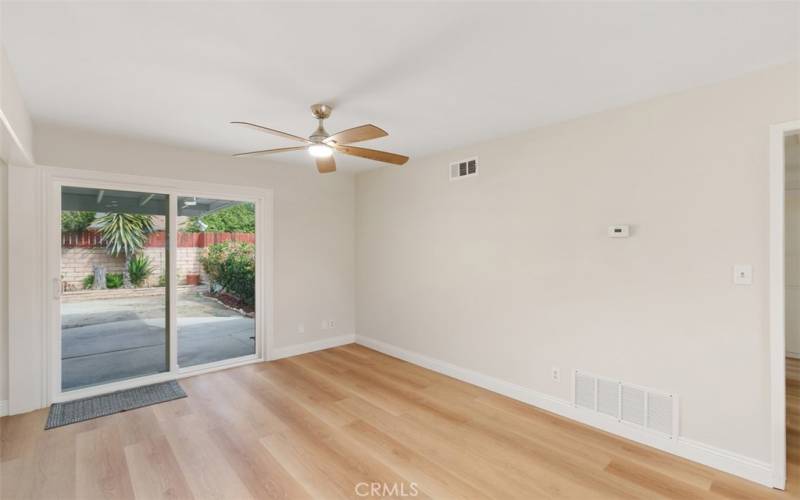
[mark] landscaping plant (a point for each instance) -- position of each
(239, 218)
(232, 266)
(88, 281)
(139, 269)
(124, 234)
(113, 280)
(76, 222)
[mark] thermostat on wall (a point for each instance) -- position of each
(622, 231)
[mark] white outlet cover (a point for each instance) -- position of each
(556, 374)
(301, 328)
(619, 231)
(324, 324)
(743, 274)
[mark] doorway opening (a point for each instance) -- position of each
(791, 159)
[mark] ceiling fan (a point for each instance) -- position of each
(321, 145)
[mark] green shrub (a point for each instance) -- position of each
(114, 280)
(233, 266)
(139, 269)
(88, 281)
(162, 281)
(239, 218)
(75, 222)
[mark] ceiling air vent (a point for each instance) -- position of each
(464, 168)
(632, 404)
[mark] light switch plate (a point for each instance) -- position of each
(743, 274)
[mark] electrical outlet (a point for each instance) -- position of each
(743, 274)
(301, 328)
(556, 374)
(331, 324)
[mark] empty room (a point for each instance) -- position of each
(446, 250)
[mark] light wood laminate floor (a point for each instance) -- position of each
(321, 424)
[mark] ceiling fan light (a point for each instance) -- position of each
(320, 151)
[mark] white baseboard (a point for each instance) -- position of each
(3, 408)
(317, 345)
(732, 463)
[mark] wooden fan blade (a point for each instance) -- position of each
(372, 154)
(273, 132)
(326, 165)
(356, 134)
(270, 151)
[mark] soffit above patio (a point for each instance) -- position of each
(106, 200)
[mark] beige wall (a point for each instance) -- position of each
(511, 273)
(13, 108)
(314, 220)
(16, 143)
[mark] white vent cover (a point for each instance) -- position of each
(660, 412)
(633, 405)
(584, 390)
(608, 397)
(628, 403)
(464, 168)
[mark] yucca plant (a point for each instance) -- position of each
(139, 269)
(124, 234)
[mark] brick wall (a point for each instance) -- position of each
(80, 252)
(77, 263)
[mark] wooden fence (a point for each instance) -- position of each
(93, 239)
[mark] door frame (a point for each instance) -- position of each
(55, 177)
(777, 299)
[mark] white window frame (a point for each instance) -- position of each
(54, 178)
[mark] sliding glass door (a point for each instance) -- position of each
(150, 284)
(113, 285)
(216, 276)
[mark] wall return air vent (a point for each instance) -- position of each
(464, 168)
(631, 404)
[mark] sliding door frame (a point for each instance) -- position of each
(54, 178)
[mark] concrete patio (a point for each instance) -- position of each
(104, 340)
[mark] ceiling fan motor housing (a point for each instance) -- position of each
(321, 112)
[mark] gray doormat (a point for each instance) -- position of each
(108, 404)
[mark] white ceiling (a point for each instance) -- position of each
(435, 76)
